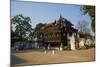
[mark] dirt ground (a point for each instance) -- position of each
(36, 57)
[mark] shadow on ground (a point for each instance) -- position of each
(15, 60)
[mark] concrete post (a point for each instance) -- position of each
(61, 47)
(72, 42)
(53, 52)
(48, 46)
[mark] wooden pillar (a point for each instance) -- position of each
(68, 41)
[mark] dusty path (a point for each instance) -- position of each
(36, 57)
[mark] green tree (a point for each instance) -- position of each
(90, 10)
(39, 26)
(22, 25)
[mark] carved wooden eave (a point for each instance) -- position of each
(57, 31)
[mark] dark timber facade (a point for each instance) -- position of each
(57, 33)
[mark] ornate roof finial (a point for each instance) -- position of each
(60, 13)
